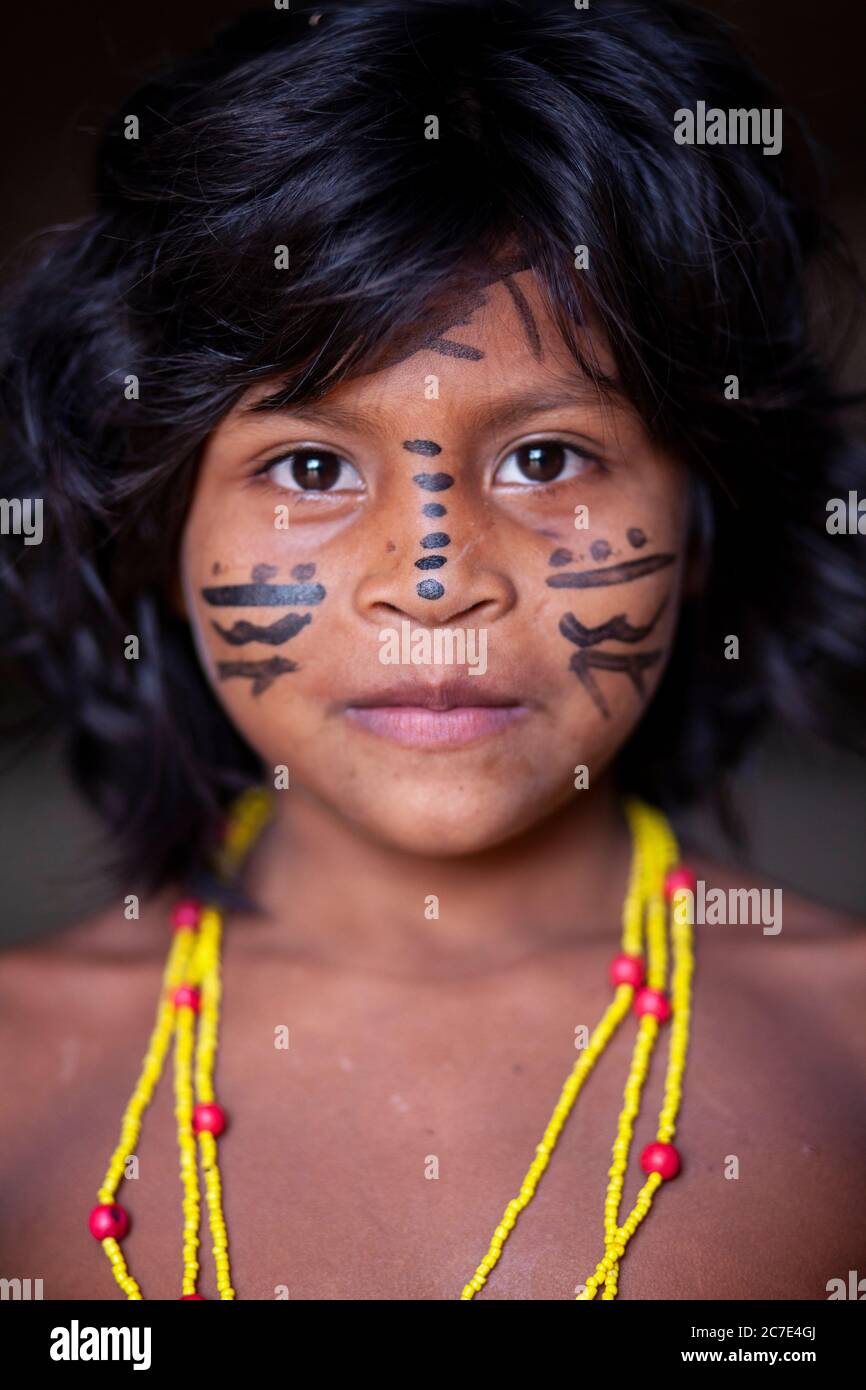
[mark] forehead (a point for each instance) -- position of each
(483, 336)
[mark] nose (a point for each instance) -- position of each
(438, 577)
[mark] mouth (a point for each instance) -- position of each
(451, 714)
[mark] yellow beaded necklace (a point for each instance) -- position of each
(190, 994)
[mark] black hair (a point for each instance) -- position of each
(308, 129)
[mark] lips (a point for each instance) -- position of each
(421, 715)
(460, 692)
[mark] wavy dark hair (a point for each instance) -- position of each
(306, 129)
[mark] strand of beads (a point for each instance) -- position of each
(109, 1221)
(651, 1006)
(210, 1120)
(250, 814)
(643, 831)
(187, 1003)
(190, 990)
(660, 1160)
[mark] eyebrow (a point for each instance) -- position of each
(507, 411)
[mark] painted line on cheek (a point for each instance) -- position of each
(422, 446)
(271, 633)
(613, 574)
(436, 540)
(632, 664)
(264, 595)
(261, 673)
(430, 588)
(433, 482)
(616, 629)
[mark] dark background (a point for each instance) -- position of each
(66, 68)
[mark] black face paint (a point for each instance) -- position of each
(303, 571)
(635, 537)
(461, 315)
(430, 588)
(422, 446)
(463, 306)
(600, 550)
(433, 509)
(560, 557)
(431, 562)
(433, 482)
(265, 595)
(261, 673)
(436, 540)
(271, 633)
(613, 574)
(631, 664)
(526, 316)
(260, 574)
(616, 629)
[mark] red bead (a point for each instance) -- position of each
(187, 996)
(186, 913)
(108, 1220)
(193, 1295)
(652, 1001)
(660, 1158)
(209, 1119)
(627, 970)
(678, 878)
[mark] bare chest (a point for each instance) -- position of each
(375, 1140)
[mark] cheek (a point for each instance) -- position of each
(253, 599)
(612, 600)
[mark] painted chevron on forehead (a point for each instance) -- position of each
(463, 304)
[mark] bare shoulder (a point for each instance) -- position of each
(80, 971)
(732, 896)
(801, 962)
(108, 933)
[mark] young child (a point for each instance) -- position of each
(417, 420)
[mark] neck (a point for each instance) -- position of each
(332, 895)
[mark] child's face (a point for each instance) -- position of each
(439, 492)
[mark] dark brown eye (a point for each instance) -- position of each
(317, 471)
(543, 461)
(313, 470)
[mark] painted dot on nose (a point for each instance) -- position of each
(433, 509)
(422, 446)
(430, 588)
(433, 482)
(431, 562)
(435, 540)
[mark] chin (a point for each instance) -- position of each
(446, 824)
